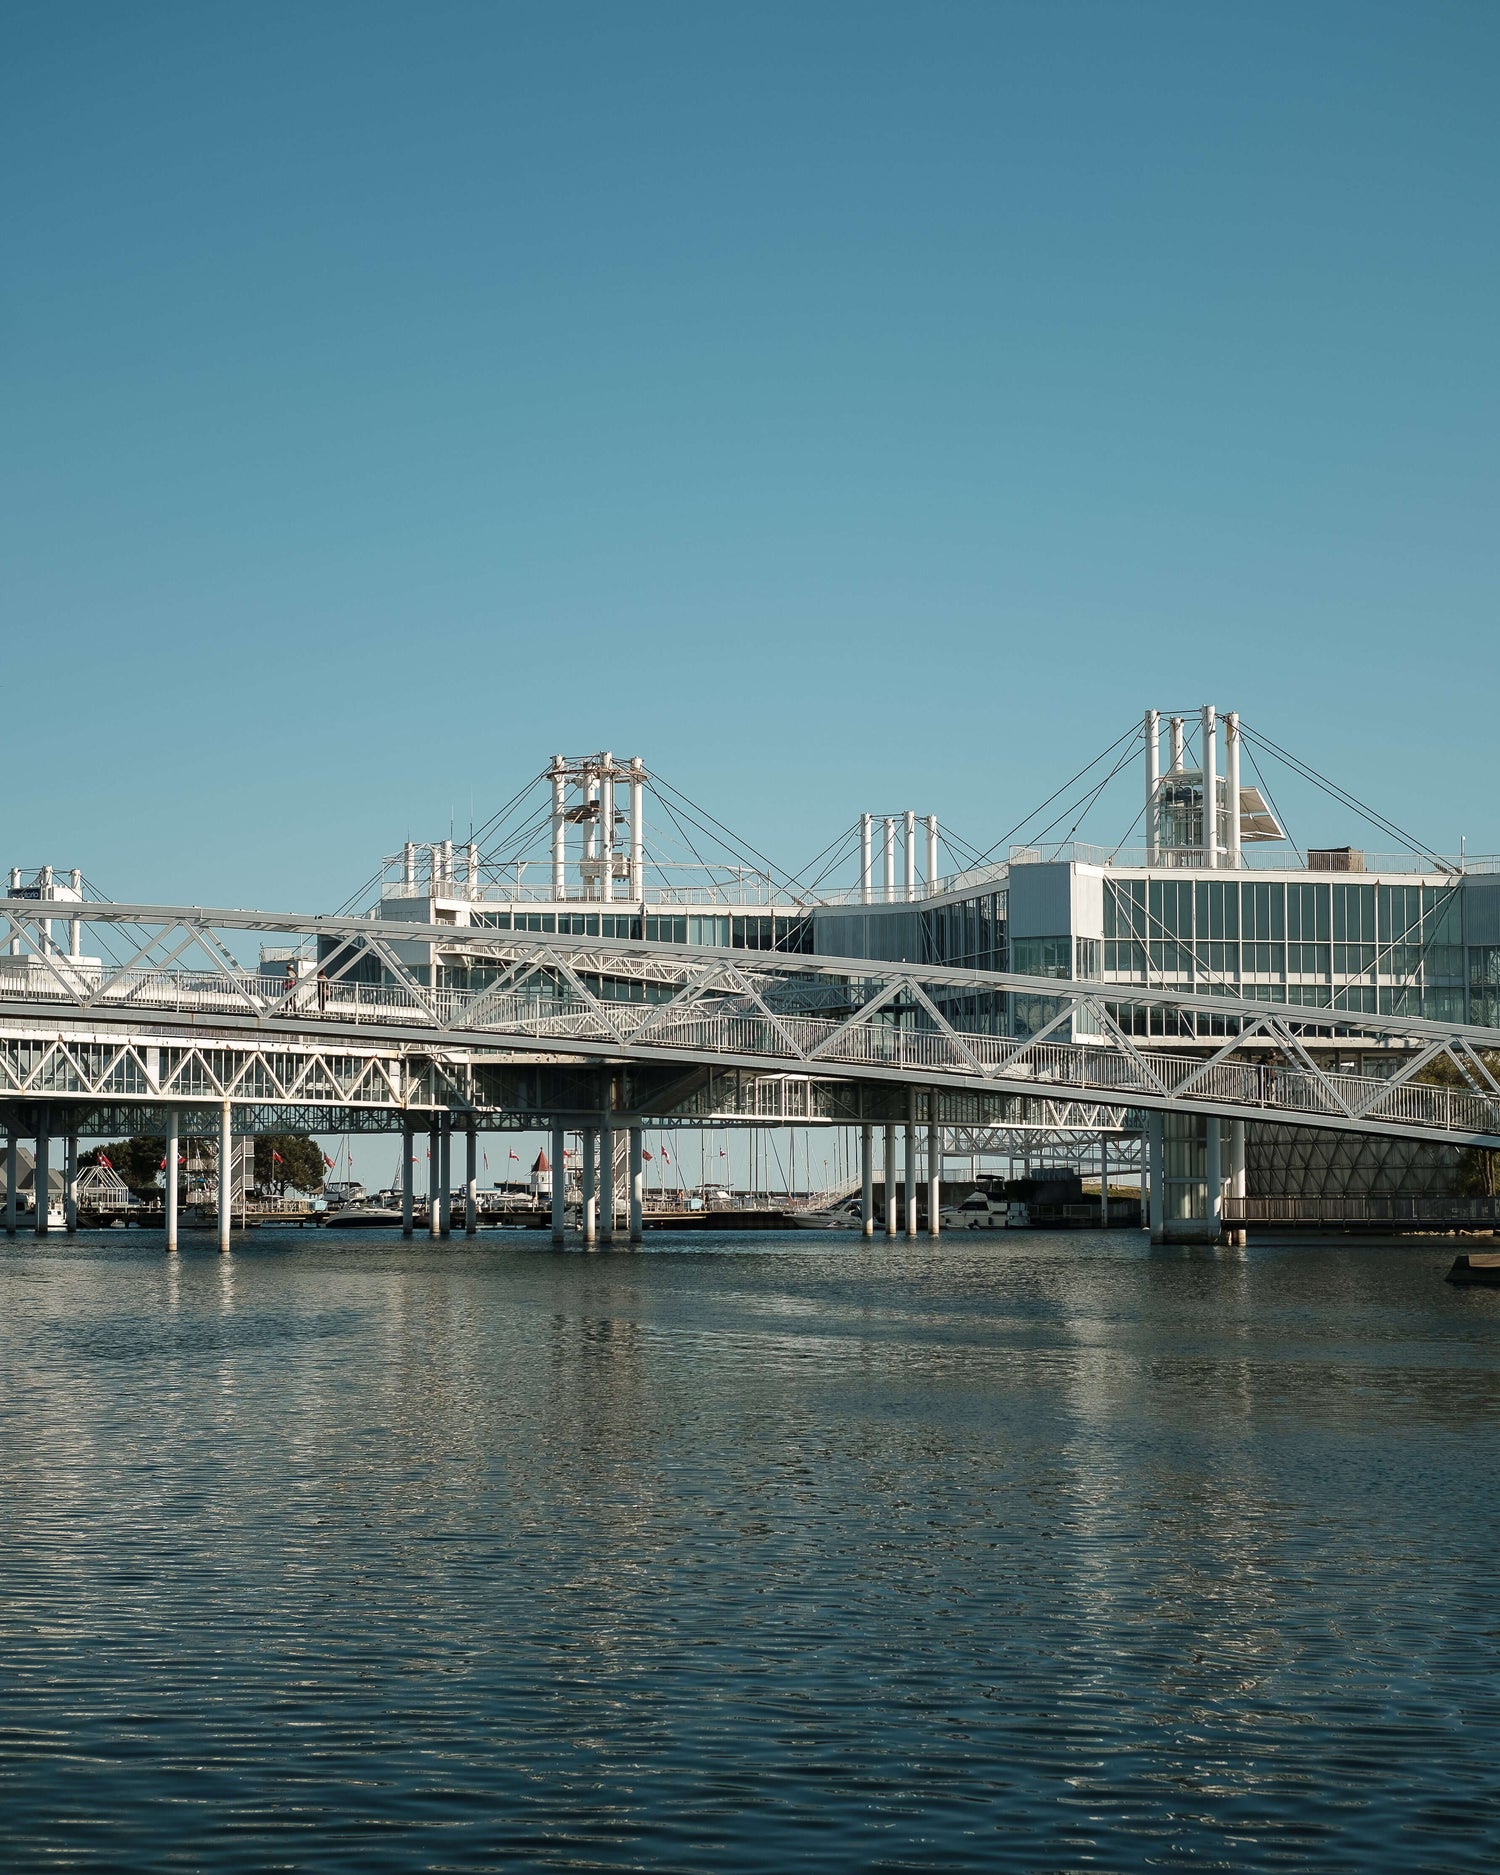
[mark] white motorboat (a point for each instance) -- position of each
(843, 1216)
(985, 1210)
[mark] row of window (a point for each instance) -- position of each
(1299, 911)
(732, 931)
(1214, 957)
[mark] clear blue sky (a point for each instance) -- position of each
(840, 405)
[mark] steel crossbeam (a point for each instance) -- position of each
(629, 1000)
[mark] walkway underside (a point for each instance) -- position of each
(179, 1020)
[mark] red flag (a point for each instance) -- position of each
(161, 1168)
(104, 1159)
(666, 1155)
(517, 1157)
(275, 1157)
(327, 1161)
(645, 1155)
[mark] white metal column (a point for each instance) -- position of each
(867, 1180)
(637, 829)
(559, 1185)
(1237, 1174)
(226, 1176)
(1208, 735)
(1214, 1172)
(1232, 786)
(888, 1170)
(607, 828)
(932, 851)
(637, 1186)
(909, 840)
(1156, 1157)
(471, 1179)
(559, 827)
(889, 857)
(169, 1203)
(866, 862)
(1153, 784)
(607, 1175)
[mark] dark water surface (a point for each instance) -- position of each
(1041, 1553)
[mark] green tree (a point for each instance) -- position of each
(288, 1159)
(138, 1161)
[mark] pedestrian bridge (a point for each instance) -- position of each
(180, 1020)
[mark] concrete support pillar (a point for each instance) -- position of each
(867, 1181)
(1213, 1160)
(471, 1179)
(934, 1167)
(169, 1201)
(1236, 1233)
(12, 1171)
(866, 862)
(226, 1176)
(590, 1187)
(910, 1168)
(434, 1179)
(559, 1186)
(889, 857)
(637, 1186)
(909, 839)
(1156, 1172)
(41, 1178)
(408, 1194)
(888, 1170)
(932, 851)
(445, 1175)
(70, 1182)
(1103, 1181)
(607, 1181)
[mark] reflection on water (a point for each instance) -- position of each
(1042, 1553)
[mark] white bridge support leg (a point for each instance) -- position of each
(1104, 1181)
(70, 1181)
(1214, 1176)
(12, 1166)
(41, 1171)
(226, 1176)
(909, 1182)
(434, 1177)
(1155, 1160)
(408, 1194)
(866, 1179)
(559, 1185)
(888, 1172)
(445, 1185)
(471, 1179)
(637, 1186)
(1236, 1231)
(590, 1187)
(607, 1182)
(169, 1202)
(934, 1167)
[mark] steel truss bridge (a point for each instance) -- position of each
(670, 1033)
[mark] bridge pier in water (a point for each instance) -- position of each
(471, 1179)
(226, 1176)
(408, 1148)
(12, 1168)
(169, 1200)
(637, 1185)
(559, 1186)
(867, 1181)
(434, 1175)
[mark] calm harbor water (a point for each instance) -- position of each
(1034, 1553)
